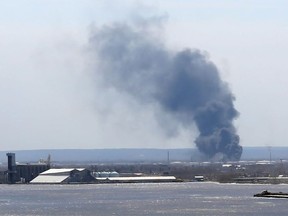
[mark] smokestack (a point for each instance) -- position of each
(11, 167)
(185, 84)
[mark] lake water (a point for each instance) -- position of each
(141, 199)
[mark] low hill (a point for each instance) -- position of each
(137, 155)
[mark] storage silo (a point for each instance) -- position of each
(11, 168)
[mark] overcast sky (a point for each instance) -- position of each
(50, 96)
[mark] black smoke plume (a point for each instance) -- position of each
(185, 84)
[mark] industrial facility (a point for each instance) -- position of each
(42, 173)
(23, 173)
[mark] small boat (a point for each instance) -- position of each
(266, 193)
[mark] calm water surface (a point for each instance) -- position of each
(141, 199)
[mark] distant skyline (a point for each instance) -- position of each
(50, 96)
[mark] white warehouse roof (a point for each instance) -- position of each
(49, 179)
(59, 171)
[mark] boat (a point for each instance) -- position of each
(266, 193)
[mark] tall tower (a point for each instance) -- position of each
(11, 168)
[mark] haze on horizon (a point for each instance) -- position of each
(51, 98)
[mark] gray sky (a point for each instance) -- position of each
(51, 96)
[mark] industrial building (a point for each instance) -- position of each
(23, 173)
(137, 179)
(64, 176)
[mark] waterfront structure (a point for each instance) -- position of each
(135, 179)
(63, 176)
(24, 172)
(199, 178)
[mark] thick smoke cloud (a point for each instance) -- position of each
(185, 84)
